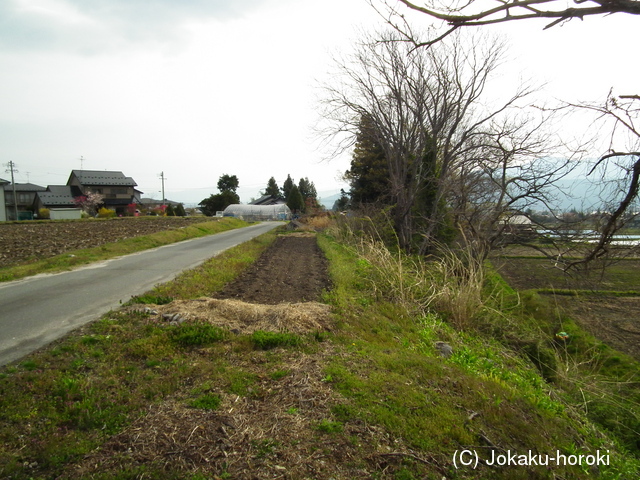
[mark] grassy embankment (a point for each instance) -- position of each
(507, 385)
(76, 258)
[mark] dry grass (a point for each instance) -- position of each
(317, 222)
(458, 278)
(451, 282)
(272, 434)
(246, 318)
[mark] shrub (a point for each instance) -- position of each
(268, 340)
(208, 401)
(151, 299)
(44, 213)
(197, 334)
(106, 213)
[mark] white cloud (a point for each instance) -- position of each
(201, 88)
(94, 26)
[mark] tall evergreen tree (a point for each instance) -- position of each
(307, 188)
(227, 184)
(368, 176)
(295, 201)
(287, 186)
(272, 188)
(341, 203)
(308, 191)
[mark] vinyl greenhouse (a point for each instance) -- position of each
(257, 213)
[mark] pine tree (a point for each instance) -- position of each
(287, 186)
(369, 172)
(341, 203)
(272, 188)
(295, 202)
(308, 191)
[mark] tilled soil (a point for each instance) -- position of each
(21, 242)
(615, 321)
(292, 270)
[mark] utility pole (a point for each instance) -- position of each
(163, 200)
(12, 168)
(81, 162)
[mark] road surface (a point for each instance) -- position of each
(38, 310)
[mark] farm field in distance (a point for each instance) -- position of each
(24, 241)
(606, 304)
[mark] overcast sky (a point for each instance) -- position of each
(200, 88)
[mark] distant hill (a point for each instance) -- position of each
(329, 200)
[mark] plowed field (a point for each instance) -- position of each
(21, 242)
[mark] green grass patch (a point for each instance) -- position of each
(208, 401)
(151, 299)
(493, 386)
(270, 340)
(279, 374)
(197, 334)
(329, 426)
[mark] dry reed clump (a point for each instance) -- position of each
(246, 318)
(458, 278)
(396, 276)
(318, 222)
(451, 282)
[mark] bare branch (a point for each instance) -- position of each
(512, 10)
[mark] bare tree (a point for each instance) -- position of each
(467, 13)
(617, 115)
(507, 172)
(426, 111)
(384, 82)
(618, 170)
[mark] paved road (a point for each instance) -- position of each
(37, 310)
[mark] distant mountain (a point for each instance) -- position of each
(329, 200)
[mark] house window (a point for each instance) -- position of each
(119, 191)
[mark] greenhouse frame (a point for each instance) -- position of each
(258, 213)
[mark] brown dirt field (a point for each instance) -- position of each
(21, 242)
(615, 321)
(273, 431)
(292, 270)
(611, 319)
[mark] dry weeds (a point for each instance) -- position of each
(271, 434)
(246, 318)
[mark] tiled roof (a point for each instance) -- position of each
(268, 200)
(25, 187)
(100, 177)
(58, 195)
